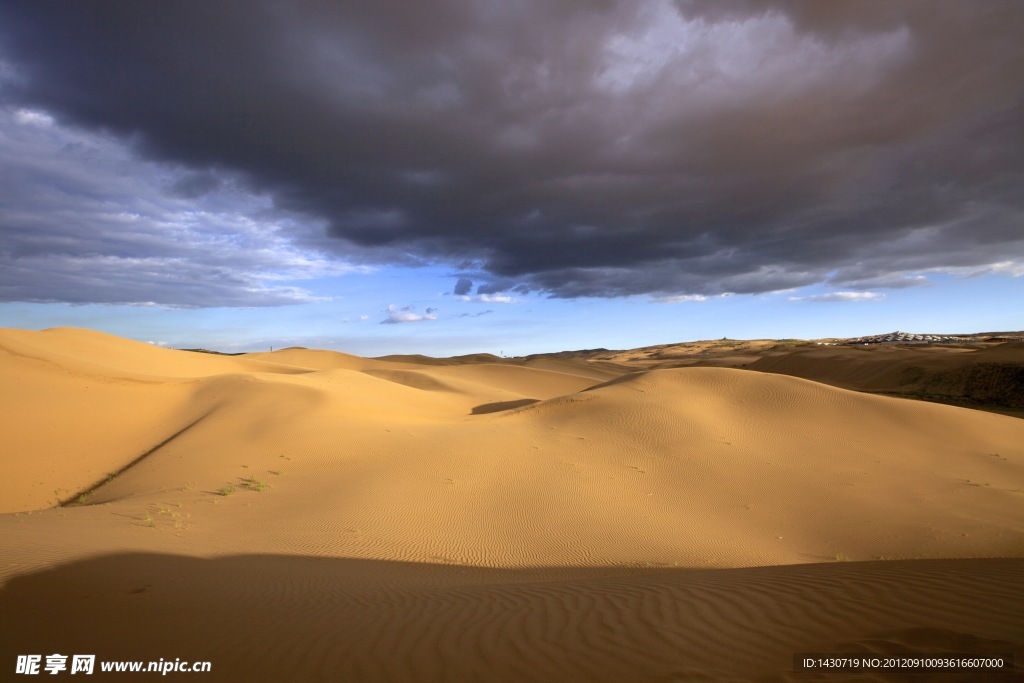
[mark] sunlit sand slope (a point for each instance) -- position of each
(78, 406)
(679, 467)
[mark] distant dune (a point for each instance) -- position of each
(985, 372)
(991, 376)
(312, 515)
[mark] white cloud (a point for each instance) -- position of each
(406, 314)
(678, 299)
(29, 117)
(496, 298)
(841, 296)
(1011, 268)
(884, 281)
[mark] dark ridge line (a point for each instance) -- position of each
(955, 401)
(113, 475)
(214, 353)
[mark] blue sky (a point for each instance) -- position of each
(602, 178)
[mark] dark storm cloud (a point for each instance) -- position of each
(463, 286)
(82, 222)
(588, 148)
(195, 185)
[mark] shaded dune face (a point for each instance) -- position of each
(992, 376)
(485, 519)
(272, 618)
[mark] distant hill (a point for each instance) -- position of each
(979, 370)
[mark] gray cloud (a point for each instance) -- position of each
(81, 222)
(463, 286)
(195, 185)
(601, 148)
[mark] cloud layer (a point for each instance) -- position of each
(599, 148)
(82, 222)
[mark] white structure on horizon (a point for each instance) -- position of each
(899, 337)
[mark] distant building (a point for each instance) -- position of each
(899, 337)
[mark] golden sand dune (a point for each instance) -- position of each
(310, 359)
(86, 352)
(343, 518)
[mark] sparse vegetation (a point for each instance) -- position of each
(254, 484)
(792, 343)
(225, 491)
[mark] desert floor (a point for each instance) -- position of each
(313, 516)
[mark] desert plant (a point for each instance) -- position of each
(253, 484)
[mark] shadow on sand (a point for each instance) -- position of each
(499, 406)
(288, 618)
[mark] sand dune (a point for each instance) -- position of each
(388, 519)
(94, 353)
(310, 359)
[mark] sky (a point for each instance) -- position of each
(460, 176)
